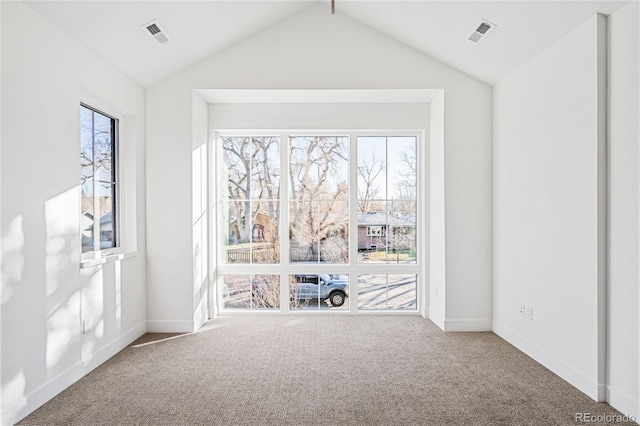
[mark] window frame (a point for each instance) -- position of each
(352, 269)
(117, 175)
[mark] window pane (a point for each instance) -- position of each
(401, 291)
(97, 180)
(107, 224)
(237, 243)
(86, 224)
(303, 236)
(319, 231)
(333, 231)
(319, 291)
(372, 172)
(387, 292)
(240, 291)
(402, 168)
(103, 149)
(318, 208)
(372, 235)
(402, 238)
(387, 226)
(265, 240)
(265, 292)
(319, 168)
(372, 291)
(265, 168)
(236, 153)
(251, 167)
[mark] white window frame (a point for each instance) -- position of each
(98, 255)
(352, 268)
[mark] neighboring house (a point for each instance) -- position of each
(106, 231)
(261, 222)
(377, 230)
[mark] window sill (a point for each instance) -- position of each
(106, 258)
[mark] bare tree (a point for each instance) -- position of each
(251, 176)
(319, 192)
(406, 188)
(368, 172)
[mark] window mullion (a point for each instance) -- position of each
(353, 222)
(284, 221)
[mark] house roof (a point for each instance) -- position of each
(384, 219)
(199, 29)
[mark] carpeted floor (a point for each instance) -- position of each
(329, 370)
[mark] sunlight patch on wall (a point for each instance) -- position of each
(63, 245)
(93, 300)
(118, 289)
(14, 390)
(62, 327)
(12, 257)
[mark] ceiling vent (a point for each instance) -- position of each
(482, 30)
(154, 29)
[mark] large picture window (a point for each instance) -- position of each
(304, 215)
(98, 180)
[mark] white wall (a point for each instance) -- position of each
(437, 236)
(333, 116)
(200, 210)
(45, 293)
(549, 153)
(624, 196)
(317, 50)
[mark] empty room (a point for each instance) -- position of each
(319, 212)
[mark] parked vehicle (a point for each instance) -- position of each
(307, 288)
(321, 287)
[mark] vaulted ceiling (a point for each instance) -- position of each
(439, 29)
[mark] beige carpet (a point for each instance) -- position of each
(329, 370)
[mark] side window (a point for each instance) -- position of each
(98, 180)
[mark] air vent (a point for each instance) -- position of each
(154, 29)
(482, 30)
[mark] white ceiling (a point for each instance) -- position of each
(436, 28)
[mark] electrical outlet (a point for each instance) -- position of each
(522, 309)
(437, 291)
(530, 313)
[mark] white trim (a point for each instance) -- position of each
(168, 326)
(126, 157)
(467, 325)
(29, 403)
(24, 406)
(106, 258)
(623, 402)
(437, 318)
(574, 377)
(109, 350)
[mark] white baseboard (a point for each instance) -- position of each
(18, 410)
(162, 326)
(568, 373)
(425, 313)
(467, 325)
(436, 318)
(623, 403)
(106, 352)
